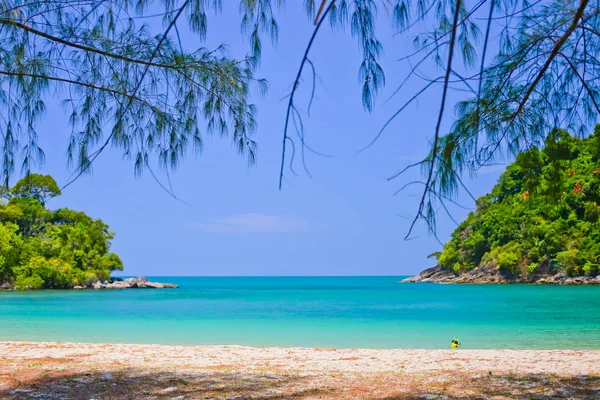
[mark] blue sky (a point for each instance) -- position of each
(344, 221)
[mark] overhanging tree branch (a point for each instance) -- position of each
(295, 87)
(130, 100)
(439, 121)
(559, 44)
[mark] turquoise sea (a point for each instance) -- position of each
(369, 312)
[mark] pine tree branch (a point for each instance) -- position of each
(90, 49)
(73, 82)
(558, 45)
(439, 121)
(295, 87)
(130, 102)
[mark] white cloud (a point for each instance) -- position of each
(255, 223)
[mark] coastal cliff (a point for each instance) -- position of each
(539, 224)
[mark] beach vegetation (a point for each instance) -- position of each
(43, 248)
(542, 215)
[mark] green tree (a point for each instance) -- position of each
(36, 186)
(28, 213)
(10, 243)
(41, 248)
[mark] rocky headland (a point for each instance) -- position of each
(480, 275)
(115, 283)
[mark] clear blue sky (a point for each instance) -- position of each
(344, 221)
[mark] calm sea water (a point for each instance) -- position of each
(370, 312)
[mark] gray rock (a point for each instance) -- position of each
(153, 285)
(173, 286)
(6, 286)
(435, 274)
(491, 274)
(127, 283)
(118, 285)
(144, 283)
(139, 282)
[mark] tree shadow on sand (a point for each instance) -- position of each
(132, 383)
(504, 386)
(145, 383)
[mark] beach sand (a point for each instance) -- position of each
(120, 371)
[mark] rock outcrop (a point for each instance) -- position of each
(116, 283)
(134, 283)
(494, 275)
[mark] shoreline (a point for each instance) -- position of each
(495, 276)
(114, 283)
(85, 370)
(34, 343)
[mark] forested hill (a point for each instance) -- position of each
(539, 223)
(41, 248)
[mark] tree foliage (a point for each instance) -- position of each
(41, 248)
(127, 80)
(123, 82)
(543, 213)
(36, 186)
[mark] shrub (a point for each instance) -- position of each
(590, 269)
(568, 261)
(28, 282)
(532, 267)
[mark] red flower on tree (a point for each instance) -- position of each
(577, 188)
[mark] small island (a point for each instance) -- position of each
(55, 249)
(540, 224)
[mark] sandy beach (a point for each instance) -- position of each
(111, 371)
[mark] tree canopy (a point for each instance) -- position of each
(41, 248)
(543, 213)
(127, 81)
(39, 187)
